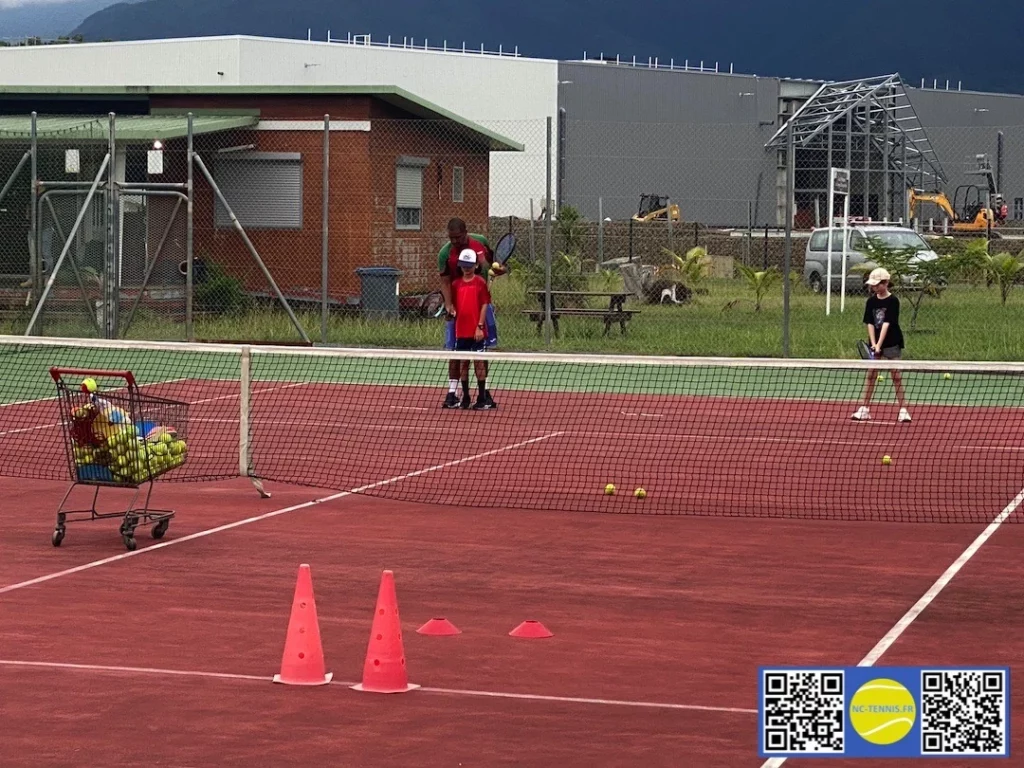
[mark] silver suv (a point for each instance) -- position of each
(818, 251)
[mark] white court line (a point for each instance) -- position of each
(30, 429)
(927, 598)
(274, 513)
(190, 402)
(445, 691)
(54, 397)
(238, 394)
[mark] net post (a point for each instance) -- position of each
(244, 403)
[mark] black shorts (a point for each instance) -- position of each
(469, 345)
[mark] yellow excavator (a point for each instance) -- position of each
(974, 209)
(655, 208)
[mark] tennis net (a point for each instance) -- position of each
(723, 437)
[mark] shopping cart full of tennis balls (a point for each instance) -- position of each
(117, 437)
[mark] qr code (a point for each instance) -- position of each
(803, 712)
(963, 712)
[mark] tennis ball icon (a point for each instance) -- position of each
(887, 459)
(640, 493)
(609, 490)
(883, 711)
(947, 376)
(89, 385)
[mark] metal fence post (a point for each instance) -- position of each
(547, 244)
(35, 263)
(600, 233)
(788, 253)
(190, 207)
(323, 253)
(533, 244)
(111, 289)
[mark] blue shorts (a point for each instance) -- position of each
(490, 331)
(470, 345)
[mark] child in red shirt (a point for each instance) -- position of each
(471, 298)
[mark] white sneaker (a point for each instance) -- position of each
(904, 415)
(862, 414)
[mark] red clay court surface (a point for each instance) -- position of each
(164, 656)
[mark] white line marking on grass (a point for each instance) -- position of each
(443, 691)
(274, 513)
(927, 598)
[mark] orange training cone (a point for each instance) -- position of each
(439, 628)
(531, 629)
(303, 659)
(384, 669)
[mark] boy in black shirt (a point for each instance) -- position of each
(885, 337)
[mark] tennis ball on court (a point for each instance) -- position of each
(89, 385)
(609, 490)
(882, 711)
(947, 376)
(887, 460)
(640, 493)
(880, 377)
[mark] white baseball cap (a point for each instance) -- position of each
(467, 256)
(878, 275)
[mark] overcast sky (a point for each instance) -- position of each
(13, 3)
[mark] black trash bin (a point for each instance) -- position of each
(379, 291)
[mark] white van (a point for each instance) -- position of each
(818, 251)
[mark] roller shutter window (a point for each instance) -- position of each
(458, 184)
(264, 189)
(409, 192)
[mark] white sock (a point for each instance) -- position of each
(453, 385)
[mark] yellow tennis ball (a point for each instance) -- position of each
(880, 377)
(947, 376)
(640, 493)
(882, 711)
(887, 460)
(609, 489)
(89, 385)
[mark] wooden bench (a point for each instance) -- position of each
(621, 316)
(612, 314)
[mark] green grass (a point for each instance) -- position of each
(965, 323)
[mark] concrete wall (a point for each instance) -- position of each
(961, 125)
(510, 95)
(695, 137)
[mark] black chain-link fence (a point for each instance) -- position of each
(665, 239)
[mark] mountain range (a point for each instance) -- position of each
(930, 39)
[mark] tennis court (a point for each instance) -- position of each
(771, 534)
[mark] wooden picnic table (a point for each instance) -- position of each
(614, 313)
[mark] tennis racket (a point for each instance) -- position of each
(865, 352)
(503, 252)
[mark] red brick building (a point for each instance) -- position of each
(398, 169)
